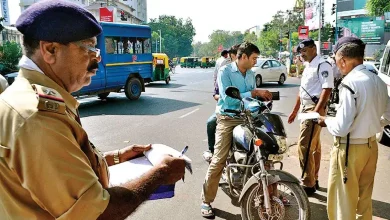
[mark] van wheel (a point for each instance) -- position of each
(282, 79)
(259, 81)
(133, 88)
(103, 95)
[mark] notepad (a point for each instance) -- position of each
(133, 169)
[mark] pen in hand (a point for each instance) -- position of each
(181, 155)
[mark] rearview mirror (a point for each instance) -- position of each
(233, 92)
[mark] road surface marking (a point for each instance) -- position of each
(189, 113)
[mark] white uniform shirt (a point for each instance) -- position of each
(360, 118)
(312, 81)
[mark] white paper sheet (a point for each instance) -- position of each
(309, 115)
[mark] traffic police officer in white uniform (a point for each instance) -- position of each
(363, 100)
(316, 86)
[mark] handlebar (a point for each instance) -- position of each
(275, 97)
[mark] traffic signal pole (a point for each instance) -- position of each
(319, 29)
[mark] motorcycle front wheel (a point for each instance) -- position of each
(290, 202)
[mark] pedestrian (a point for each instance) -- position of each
(240, 75)
(298, 64)
(316, 86)
(354, 155)
(218, 63)
(3, 84)
(212, 121)
(48, 167)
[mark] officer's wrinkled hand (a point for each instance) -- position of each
(133, 151)
(292, 117)
(173, 169)
(321, 121)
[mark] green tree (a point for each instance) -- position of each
(177, 34)
(378, 7)
(10, 53)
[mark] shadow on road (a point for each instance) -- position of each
(277, 86)
(381, 209)
(122, 106)
(162, 84)
(226, 215)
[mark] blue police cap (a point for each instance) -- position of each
(347, 40)
(57, 21)
(305, 43)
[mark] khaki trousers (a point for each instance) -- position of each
(352, 200)
(223, 142)
(313, 165)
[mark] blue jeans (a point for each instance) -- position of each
(211, 127)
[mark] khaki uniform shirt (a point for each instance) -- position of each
(48, 168)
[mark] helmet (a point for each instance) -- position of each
(252, 105)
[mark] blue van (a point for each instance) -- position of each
(127, 61)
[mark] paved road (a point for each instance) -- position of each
(176, 115)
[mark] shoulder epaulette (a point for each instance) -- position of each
(49, 99)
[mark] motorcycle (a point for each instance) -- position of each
(261, 190)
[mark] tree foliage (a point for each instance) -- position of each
(10, 53)
(177, 35)
(378, 7)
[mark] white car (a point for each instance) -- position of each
(372, 66)
(269, 70)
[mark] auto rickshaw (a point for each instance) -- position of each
(190, 62)
(205, 62)
(183, 62)
(212, 62)
(175, 60)
(161, 67)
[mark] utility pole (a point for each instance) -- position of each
(319, 28)
(160, 40)
(289, 36)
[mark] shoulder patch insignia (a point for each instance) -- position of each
(49, 99)
(325, 74)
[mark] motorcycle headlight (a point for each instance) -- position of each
(282, 142)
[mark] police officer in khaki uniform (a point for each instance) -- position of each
(3, 84)
(316, 86)
(48, 167)
(363, 100)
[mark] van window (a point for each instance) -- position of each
(127, 45)
(386, 61)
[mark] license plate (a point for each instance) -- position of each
(277, 157)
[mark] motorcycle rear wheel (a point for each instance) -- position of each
(284, 205)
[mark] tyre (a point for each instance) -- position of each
(103, 95)
(259, 81)
(133, 88)
(290, 204)
(167, 80)
(282, 79)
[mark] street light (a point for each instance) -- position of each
(160, 40)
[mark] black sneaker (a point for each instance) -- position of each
(309, 190)
(317, 186)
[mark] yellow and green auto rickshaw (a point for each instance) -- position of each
(175, 60)
(191, 62)
(212, 62)
(183, 62)
(205, 62)
(161, 67)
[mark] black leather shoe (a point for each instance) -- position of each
(309, 190)
(317, 186)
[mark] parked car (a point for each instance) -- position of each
(384, 73)
(269, 70)
(372, 66)
(10, 77)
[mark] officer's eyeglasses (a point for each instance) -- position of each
(89, 48)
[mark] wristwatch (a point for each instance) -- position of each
(116, 157)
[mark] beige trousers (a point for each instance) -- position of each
(314, 160)
(352, 200)
(223, 142)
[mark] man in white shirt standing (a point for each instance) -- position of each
(363, 100)
(219, 62)
(316, 86)
(3, 83)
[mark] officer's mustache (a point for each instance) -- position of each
(92, 67)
